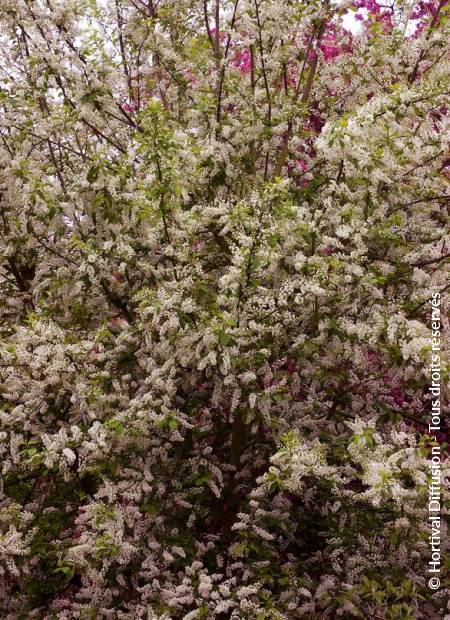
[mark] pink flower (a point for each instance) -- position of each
(375, 11)
(315, 122)
(198, 245)
(424, 9)
(372, 6)
(242, 61)
(291, 80)
(302, 165)
(329, 51)
(128, 107)
(329, 45)
(399, 396)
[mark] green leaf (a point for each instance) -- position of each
(92, 174)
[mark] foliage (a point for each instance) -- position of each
(221, 224)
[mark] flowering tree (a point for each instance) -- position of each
(221, 224)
